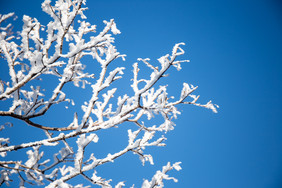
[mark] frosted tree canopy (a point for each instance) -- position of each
(57, 51)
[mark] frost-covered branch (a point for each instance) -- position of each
(157, 180)
(54, 54)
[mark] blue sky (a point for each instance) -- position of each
(235, 51)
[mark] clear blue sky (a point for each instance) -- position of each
(235, 48)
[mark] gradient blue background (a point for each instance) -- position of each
(235, 48)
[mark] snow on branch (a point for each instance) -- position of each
(53, 55)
